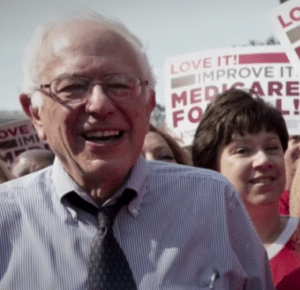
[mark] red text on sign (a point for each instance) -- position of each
(294, 16)
(191, 65)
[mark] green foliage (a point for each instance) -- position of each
(158, 116)
(270, 41)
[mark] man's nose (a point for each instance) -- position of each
(98, 101)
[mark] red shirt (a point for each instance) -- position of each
(286, 268)
(285, 263)
(284, 203)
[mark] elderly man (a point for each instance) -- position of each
(89, 91)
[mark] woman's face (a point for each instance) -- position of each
(254, 163)
(156, 148)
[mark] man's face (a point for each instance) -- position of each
(99, 140)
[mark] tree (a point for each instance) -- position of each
(270, 41)
(158, 116)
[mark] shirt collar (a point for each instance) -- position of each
(137, 180)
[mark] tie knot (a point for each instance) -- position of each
(107, 214)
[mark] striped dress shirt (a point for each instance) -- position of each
(186, 229)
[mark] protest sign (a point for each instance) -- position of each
(193, 80)
(285, 20)
(16, 138)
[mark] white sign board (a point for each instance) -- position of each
(16, 138)
(193, 80)
(285, 20)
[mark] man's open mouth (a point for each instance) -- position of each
(103, 136)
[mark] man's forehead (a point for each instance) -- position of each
(82, 38)
(80, 33)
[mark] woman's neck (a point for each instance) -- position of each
(268, 222)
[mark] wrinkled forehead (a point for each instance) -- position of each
(85, 37)
(86, 33)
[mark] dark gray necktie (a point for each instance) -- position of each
(108, 266)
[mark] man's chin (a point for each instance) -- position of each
(108, 168)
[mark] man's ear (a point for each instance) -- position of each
(34, 113)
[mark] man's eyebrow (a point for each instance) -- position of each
(66, 75)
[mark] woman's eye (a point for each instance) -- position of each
(167, 158)
(241, 150)
(273, 148)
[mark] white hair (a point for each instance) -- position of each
(33, 62)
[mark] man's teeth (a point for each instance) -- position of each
(99, 134)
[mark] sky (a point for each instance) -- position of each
(166, 27)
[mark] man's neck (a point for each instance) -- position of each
(102, 190)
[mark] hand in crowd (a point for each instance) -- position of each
(291, 157)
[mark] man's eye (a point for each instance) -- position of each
(72, 88)
(118, 86)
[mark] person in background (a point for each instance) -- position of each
(294, 198)
(291, 158)
(5, 174)
(102, 216)
(245, 138)
(160, 145)
(31, 161)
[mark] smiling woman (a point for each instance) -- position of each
(160, 145)
(245, 138)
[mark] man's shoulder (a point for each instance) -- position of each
(22, 199)
(28, 184)
(199, 183)
(208, 189)
(164, 169)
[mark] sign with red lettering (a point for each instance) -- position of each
(16, 138)
(286, 21)
(193, 80)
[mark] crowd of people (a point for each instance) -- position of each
(119, 203)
